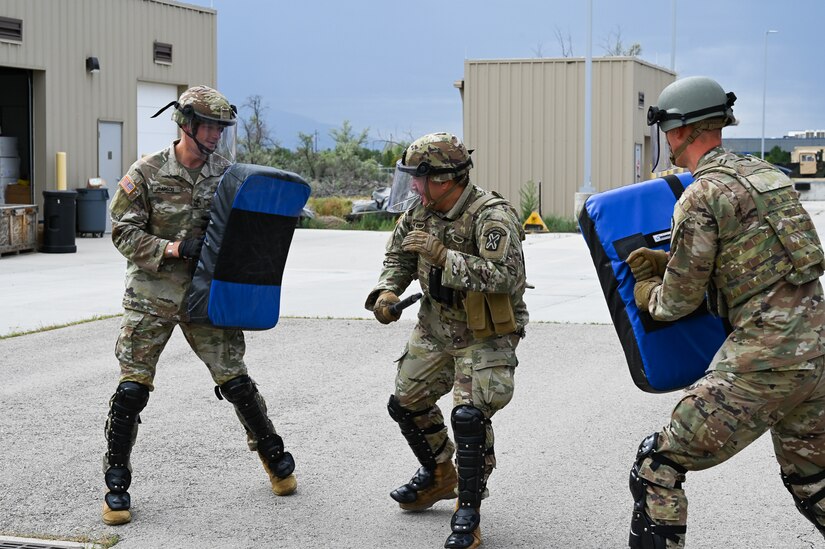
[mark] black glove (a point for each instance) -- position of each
(204, 219)
(190, 248)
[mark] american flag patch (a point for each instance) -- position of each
(127, 184)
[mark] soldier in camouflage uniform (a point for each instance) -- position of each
(463, 244)
(159, 215)
(741, 237)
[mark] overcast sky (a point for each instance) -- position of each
(390, 66)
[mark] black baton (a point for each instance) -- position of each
(396, 308)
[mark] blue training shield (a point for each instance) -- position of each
(662, 356)
(237, 283)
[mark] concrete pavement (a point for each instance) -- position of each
(565, 444)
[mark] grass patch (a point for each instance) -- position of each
(58, 326)
(559, 224)
(331, 205)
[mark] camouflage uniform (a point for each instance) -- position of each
(161, 204)
(484, 255)
(157, 202)
(768, 374)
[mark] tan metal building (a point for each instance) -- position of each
(84, 76)
(525, 120)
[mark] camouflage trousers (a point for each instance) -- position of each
(724, 412)
(143, 337)
(480, 373)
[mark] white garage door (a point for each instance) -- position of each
(158, 133)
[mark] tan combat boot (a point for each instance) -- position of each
(115, 518)
(280, 486)
(444, 484)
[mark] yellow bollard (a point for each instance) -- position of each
(60, 163)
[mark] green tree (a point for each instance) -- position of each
(529, 199)
(778, 156)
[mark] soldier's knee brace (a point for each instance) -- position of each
(806, 505)
(644, 533)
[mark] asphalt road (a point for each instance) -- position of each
(565, 445)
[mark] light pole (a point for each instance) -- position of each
(765, 89)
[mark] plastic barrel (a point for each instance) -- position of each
(59, 222)
(91, 211)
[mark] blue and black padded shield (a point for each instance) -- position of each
(662, 356)
(237, 283)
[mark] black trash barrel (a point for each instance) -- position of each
(59, 222)
(91, 211)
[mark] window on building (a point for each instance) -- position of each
(162, 53)
(11, 29)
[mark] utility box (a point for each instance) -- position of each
(18, 228)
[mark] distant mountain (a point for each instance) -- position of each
(284, 128)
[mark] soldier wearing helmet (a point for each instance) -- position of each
(463, 244)
(741, 238)
(159, 216)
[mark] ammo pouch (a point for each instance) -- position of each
(489, 314)
(441, 294)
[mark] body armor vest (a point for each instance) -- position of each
(458, 235)
(782, 245)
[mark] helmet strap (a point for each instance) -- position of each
(698, 129)
(201, 147)
(431, 204)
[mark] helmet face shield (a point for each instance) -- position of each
(660, 160)
(217, 138)
(402, 194)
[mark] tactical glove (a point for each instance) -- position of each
(190, 248)
(381, 309)
(427, 246)
(642, 291)
(646, 263)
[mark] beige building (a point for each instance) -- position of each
(525, 120)
(84, 76)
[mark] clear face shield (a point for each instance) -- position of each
(660, 160)
(403, 195)
(659, 151)
(218, 138)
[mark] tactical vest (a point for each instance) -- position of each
(458, 235)
(782, 245)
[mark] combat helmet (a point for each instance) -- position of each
(690, 100)
(439, 156)
(204, 104)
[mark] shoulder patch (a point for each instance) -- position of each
(495, 239)
(127, 185)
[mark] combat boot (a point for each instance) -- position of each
(115, 518)
(464, 540)
(427, 486)
(280, 486)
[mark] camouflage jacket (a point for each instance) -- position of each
(779, 327)
(484, 254)
(156, 203)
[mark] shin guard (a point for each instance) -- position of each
(806, 505)
(469, 428)
(644, 533)
(249, 404)
(129, 400)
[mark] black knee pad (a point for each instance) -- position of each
(644, 533)
(130, 398)
(238, 389)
